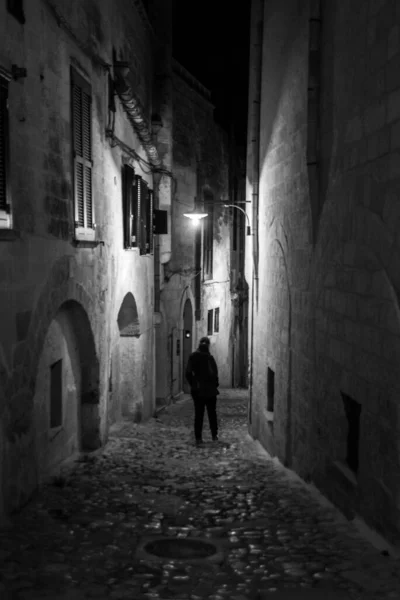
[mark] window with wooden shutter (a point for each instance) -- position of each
(210, 321)
(129, 206)
(149, 219)
(81, 104)
(208, 241)
(144, 202)
(5, 217)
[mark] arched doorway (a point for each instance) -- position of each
(187, 341)
(66, 400)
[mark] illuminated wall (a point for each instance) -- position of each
(326, 337)
(63, 351)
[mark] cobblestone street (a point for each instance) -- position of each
(83, 535)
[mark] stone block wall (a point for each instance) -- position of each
(49, 280)
(327, 297)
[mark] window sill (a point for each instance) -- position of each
(346, 471)
(9, 235)
(208, 281)
(269, 415)
(87, 243)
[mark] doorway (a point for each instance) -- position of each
(187, 342)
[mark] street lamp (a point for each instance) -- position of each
(196, 215)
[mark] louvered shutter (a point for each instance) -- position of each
(82, 149)
(4, 206)
(149, 211)
(127, 206)
(143, 217)
(138, 208)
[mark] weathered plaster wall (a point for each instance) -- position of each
(43, 270)
(326, 314)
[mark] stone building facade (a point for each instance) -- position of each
(80, 174)
(199, 295)
(323, 172)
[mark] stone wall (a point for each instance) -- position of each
(50, 282)
(326, 314)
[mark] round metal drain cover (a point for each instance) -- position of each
(180, 548)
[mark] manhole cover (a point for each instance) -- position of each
(180, 548)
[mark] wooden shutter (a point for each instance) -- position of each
(4, 206)
(128, 180)
(82, 150)
(141, 200)
(149, 212)
(143, 217)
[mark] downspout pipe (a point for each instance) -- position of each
(257, 30)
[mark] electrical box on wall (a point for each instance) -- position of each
(160, 222)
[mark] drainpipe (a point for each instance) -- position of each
(253, 161)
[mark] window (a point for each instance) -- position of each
(5, 209)
(210, 319)
(353, 413)
(270, 390)
(16, 8)
(137, 201)
(144, 202)
(56, 394)
(208, 241)
(129, 208)
(216, 320)
(81, 106)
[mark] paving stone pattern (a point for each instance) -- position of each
(81, 535)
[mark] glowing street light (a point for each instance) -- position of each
(196, 215)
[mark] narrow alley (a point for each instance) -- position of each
(86, 533)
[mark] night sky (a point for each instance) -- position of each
(211, 40)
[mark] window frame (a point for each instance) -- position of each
(83, 232)
(56, 408)
(16, 11)
(216, 320)
(6, 208)
(208, 242)
(210, 321)
(137, 206)
(128, 207)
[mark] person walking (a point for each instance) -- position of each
(202, 375)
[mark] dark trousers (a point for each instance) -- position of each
(200, 403)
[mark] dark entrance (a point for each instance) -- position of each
(187, 343)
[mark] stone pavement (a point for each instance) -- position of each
(84, 533)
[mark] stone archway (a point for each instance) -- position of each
(66, 400)
(127, 395)
(187, 341)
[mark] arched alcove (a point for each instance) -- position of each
(126, 394)
(128, 318)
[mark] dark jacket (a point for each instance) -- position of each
(202, 374)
